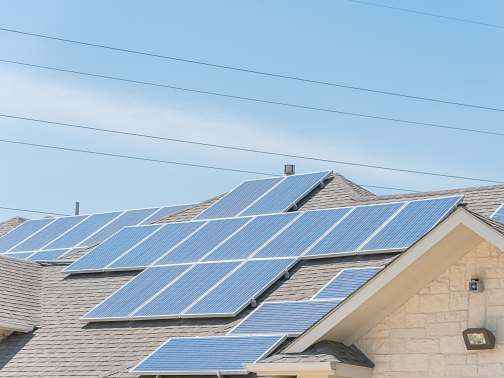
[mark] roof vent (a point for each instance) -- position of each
(289, 169)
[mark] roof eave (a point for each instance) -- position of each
(333, 369)
(428, 258)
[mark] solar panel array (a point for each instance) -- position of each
(265, 196)
(309, 234)
(498, 215)
(213, 355)
(49, 235)
(191, 290)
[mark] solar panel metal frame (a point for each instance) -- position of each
(249, 300)
(232, 190)
(294, 203)
(218, 373)
(314, 296)
(68, 250)
(291, 334)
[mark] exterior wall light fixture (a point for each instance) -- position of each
(478, 338)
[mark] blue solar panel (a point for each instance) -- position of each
(286, 194)
(49, 233)
(346, 282)
(354, 230)
(165, 212)
(128, 218)
(83, 230)
(136, 292)
(290, 318)
(111, 249)
(208, 355)
(499, 214)
(412, 222)
(202, 242)
(243, 285)
(257, 232)
(156, 245)
(19, 255)
(183, 292)
(48, 255)
(239, 198)
(21, 232)
(305, 230)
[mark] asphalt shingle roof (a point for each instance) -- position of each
(62, 345)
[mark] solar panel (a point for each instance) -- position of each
(156, 245)
(137, 291)
(19, 255)
(165, 212)
(286, 194)
(239, 198)
(498, 215)
(354, 230)
(213, 355)
(346, 282)
(49, 233)
(240, 288)
(102, 255)
(21, 232)
(290, 317)
(302, 233)
(257, 232)
(82, 231)
(48, 255)
(128, 218)
(411, 223)
(187, 289)
(202, 242)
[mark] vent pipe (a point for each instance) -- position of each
(289, 169)
(77, 207)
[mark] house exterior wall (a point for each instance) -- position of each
(423, 337)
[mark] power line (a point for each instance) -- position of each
(257, 100)
(340, 162)
(256, 72)
(32, 211)
(422, 13)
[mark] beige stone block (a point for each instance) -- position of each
(440, 286)
(443, 329)
(409, 362)
(434, 303)
(491, 356)
(407, 332)
(459, 300)
(426, 345)
(413, 304)
(462, 371)
(491, 370)
(437, 363)
(495, 297)
(452, 344)
(458, 281)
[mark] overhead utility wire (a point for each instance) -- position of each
(256, 72)
(256, 100)
(422, 13)
(363, 165)
(31, 211)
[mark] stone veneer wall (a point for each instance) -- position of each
(423, 338)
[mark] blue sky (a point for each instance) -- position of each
(336, 41)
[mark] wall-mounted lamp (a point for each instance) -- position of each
(478, 338)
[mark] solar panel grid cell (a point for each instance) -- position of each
(286, 194)
(21, 232)
(208, 355)
(48, 255)
(111, 249)
(498, 215)
(136, 292)
(305, 230)
(257, 232)
(346, 282)
(156, 245)
(239, 198)
(291, 317)
(165, 212)
(172, 301)
(49, 233)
